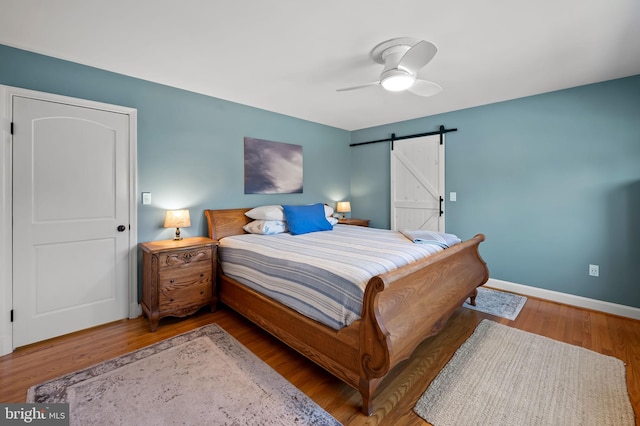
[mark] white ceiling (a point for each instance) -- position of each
(290, 56)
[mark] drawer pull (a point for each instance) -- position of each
(171, 281)
(202, 292)
(201, 275)
(171, 300)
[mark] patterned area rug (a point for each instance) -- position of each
(201, 377)
(498, 303)
(505, 376)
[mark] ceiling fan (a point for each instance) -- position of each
(402, 59)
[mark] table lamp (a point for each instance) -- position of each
(177, 219)
(343, 207)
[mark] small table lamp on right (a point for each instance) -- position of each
(343, 207)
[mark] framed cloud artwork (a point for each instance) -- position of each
(272, 167)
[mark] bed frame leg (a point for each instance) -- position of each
(365, 393)
(472, 297)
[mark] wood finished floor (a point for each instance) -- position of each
(607, 334)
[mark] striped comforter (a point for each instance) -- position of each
(322, 274)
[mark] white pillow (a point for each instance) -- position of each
(266, 227)
(328, 210)
(332, 220)
(266, 213)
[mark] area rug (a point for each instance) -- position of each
(505, 376)
(498, 303)
(201, 377)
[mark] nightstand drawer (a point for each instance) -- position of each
(184, 257)
(184, 287)
(174, 299)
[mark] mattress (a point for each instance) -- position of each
(322, 275)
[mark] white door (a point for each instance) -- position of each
(417, 184)
(70, 196)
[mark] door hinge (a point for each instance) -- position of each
(12, 315)
(11, 127)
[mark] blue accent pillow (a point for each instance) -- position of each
(305, 219)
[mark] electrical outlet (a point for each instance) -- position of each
(594, 270)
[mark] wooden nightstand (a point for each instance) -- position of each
(352, 221)
(178, 277)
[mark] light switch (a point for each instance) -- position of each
(452, 196)
(146, 198)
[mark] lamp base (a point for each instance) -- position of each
(177, 237)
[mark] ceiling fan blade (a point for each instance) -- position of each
(418, 56)
(362, 86)
(424, 88)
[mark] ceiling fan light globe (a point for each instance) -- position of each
(397, 81)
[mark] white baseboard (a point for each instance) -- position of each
(567, 299)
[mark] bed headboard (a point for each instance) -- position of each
(223, 223)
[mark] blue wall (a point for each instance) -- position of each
(191, 146)
(552, 180)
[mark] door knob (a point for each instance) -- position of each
(121, 228)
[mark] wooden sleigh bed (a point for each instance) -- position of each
(400, 310)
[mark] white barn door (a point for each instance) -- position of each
(417, 184)
(71, 224)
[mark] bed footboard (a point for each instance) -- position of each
(404, 307)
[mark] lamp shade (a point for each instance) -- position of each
(343, 207)
(177, 219)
